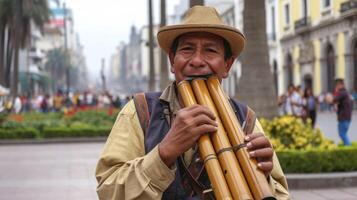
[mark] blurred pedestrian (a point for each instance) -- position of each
(58, 102)
(17, 105)
(310, 105)
(292, 102)
(44, 104)
(344, 105)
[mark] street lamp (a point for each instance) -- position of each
(67, 65)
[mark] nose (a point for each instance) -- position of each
(197, 60)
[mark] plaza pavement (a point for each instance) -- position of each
(65, 171)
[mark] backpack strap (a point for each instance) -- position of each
(249, 122)
(142, 110)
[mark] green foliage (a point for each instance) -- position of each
(59, 132)
(51, 125)
(317, 160)
(18, 133)
(3, 116)
(95, 118)
(288, 132)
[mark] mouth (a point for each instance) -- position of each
(193, 76)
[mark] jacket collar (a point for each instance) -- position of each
(169, 95)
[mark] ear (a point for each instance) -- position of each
(172, 59)
(228, 65)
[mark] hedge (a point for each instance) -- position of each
(53, 132)
(59, 132)
(19, 133)
(314, 161)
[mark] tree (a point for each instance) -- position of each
(256, 86)
(16, 17)
(164, 73)
(151, 50)
(56, 63)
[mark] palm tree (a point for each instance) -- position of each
(256, 86)
(164, 74)
(56, 63)
(16, 23)
(5, 13)
(151, 50)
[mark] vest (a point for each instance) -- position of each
(156, 130)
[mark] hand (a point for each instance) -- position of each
(189, 124)
(260, 148)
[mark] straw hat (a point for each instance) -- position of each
(202, 19)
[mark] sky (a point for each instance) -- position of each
(103, 24)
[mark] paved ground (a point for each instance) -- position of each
(325, 194)
(53, 171)
(327, 121)
(66, 171)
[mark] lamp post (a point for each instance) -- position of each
(67, 64)
(151, 51)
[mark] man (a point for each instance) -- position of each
(292, 103)
(343, 101)
(145, 164)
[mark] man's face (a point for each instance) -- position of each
(200, 53)
(339, 85)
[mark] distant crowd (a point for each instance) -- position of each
(61, 102)
(304, 104)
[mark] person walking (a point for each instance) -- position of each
(343, 102)
(310, 107)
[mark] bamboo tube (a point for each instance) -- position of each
(256, 179)
(206, 150)
(227, 159)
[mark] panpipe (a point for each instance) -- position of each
(232, 173)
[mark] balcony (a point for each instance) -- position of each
(348, 6)
(302, 23)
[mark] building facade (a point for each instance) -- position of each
(318, 43)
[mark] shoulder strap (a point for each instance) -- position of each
(142, 110)
(246, 116)
(249, 123)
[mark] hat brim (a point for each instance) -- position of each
(234, 37)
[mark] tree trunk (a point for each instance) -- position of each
(151, 51)
(196, 2)
(256, 86)
(16, 73)
(2, 47)
(8, 60)
(164, 76)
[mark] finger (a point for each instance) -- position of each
(196, 110)
(205, 128)
(258, 143)
(204, 119)
(252, 136)
(266, 166)
(265, 153)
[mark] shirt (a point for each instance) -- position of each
(344, 105)
(126, 171)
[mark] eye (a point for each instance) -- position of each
(211, 50)
(186, 48)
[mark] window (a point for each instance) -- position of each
(304, 8)
(325, 7)
(287, 14)
(273, 23)
(326, 4)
